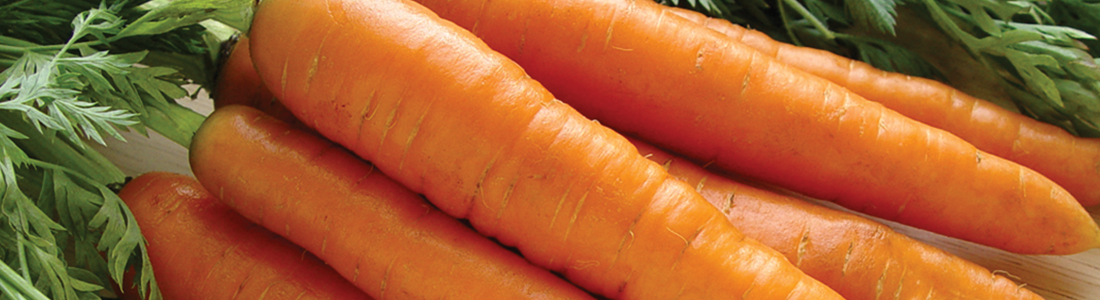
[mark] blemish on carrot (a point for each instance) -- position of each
(680, 292)
(901, 283)
(584, 40)
(745, 81)
(686, 244)
(261, 214)
(355, 276)
(385, 279)
(576, 213)
(802, 243)
(477, 20)
(585, 264)
(881, 284)
(324, 240)
(699, 58)
(523, 37)
(412, 136)
(241, 285)
(622, 286)
(901, 208)
(478, 191)
(557, 210)
(610, 29)
(390, 122)
(699, 186)
(315, 61)
(366, 108)
(282, 78)
(729, 204)
(263, 295)
(622, 243)
(847, 259)
(507, 196)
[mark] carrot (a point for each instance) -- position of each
(1070, 161)
(857, 257)
(434, 108)
(238, 83)
(384, 238)
(201, 249)
(641, 70)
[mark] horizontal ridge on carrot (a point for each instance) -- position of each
(1072, 162)
(377, 234)
(859, 258)
(642, 70)
(202, 249)
(437, 110)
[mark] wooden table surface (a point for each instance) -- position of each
(1075, 277)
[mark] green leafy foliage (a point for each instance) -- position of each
(891, 57)
(877, 14)
(1032, 58)
(1079, 14)
(76, 71)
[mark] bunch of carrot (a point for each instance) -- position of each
(641, 69)
(201, 249)
(412, 115)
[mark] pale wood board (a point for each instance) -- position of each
(1073, 277)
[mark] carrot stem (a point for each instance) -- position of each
(805, 13)
(12, 285)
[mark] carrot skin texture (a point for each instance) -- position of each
(438, 111)
(1072, 162)
(545, 286)
(716, 100)
(201, 249)
(848, 253)
(386, 239)
(238, 83)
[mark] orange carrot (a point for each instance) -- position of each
(641, 70)
(434, 108)
(262, 99)
(238, 83)
(384, 238)
(201, 249)
(859, 258)
(1072, 162)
